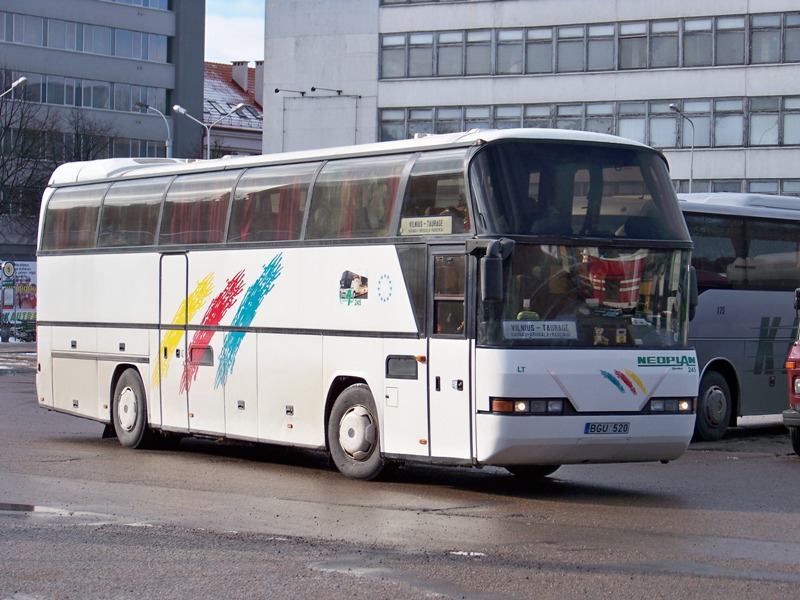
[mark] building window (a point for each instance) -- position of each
(420, 55)
(697, 43)
(600, 55)
(570, 49)
(600, 118)
(664, 49)
(764, 121)
(632, 117)
(509, 52)
(728, 123)
(538, 116)
(393, 124)
(699, 111)
(791, 121)
(393, 56)
(730, 41)
(477, 117)
(633, 46)
(569, 116)
(765, 39)
(507, 117)
(479, 52)
(448, 120)
(420, 120)
(539, 51)
(450, 52)
(663, 126)
(791, 40)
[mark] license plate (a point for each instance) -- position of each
(601, 428)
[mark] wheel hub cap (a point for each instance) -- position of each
(714, 405)
(357, 433)
(127, 409)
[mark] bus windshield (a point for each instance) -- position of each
(589, 296)
(562, 189)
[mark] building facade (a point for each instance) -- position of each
(101, 57)
(713, 84)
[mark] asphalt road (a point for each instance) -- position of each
(82, 517)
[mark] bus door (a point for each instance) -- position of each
(170, 367)
(449, 406)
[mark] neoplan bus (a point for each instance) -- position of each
(516, 298)
(747, 260)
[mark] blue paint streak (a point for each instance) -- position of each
(613, 380)
(244, 316)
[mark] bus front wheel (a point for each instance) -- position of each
(532, 472)
(794, 436)
(129, 411)
(714, 408)
(353, 434)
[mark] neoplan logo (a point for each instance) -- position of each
(666, 361)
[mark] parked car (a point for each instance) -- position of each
(791, 417)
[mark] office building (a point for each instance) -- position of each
(713, 84)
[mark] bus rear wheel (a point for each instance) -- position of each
(532, 472)
(353, 434)
(714, 408)
(129, 410)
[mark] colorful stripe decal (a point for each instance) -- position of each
(244, 316)
(626, 381)
(216, 311)
(172, 338)
(637, 380)
(613, 380)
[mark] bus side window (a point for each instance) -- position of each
(71, 220)
(448, 295)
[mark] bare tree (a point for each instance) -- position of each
(27, 136)
(86, 137)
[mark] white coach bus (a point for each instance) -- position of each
(747, 259)
(515, 298)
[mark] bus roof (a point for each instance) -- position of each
(733, 203)
(99, 170)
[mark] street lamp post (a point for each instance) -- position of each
(168, 142)
(182, 111)
(674, 108)
(18, 82)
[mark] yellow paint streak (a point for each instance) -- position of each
(636, 379)
(187, 310)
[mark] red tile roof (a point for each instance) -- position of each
(222, 93)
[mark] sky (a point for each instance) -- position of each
(234, 30)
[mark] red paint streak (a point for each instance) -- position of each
(216, 310)
(626, 381)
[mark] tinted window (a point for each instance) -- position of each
(270, 202)
(71, 218)
(354, 198)
(130, 213)
(196, 209)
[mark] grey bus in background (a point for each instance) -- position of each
(747, 259)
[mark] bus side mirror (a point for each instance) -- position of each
(797, 299)
(492, 269)
(694, 296)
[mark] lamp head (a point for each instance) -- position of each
(141, 105)
(179, 109)
(19, 81)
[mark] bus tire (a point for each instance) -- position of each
(794, 436)
(532, 472)
(129, 410)
(714, 408)
(353, 434)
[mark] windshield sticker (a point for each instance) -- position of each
(540, 330)
(439, 225)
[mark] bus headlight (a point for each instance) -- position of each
(796, 385)
(671, 405)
